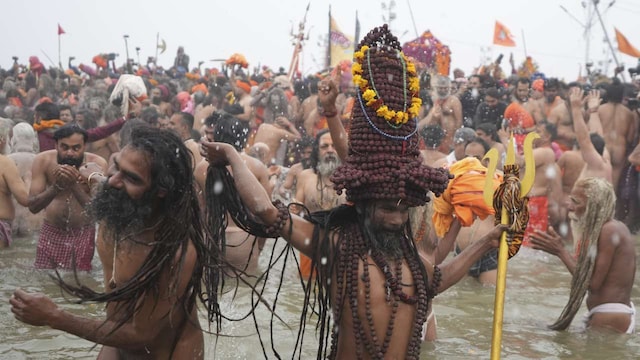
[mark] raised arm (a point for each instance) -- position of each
(587, 150)
(327, 94)
(255, 197)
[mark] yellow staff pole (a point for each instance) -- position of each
(503, 251)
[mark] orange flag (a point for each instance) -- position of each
(502, 35)
(625, 47)
(60, 30)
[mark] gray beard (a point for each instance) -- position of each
(388, 242)
(577, 229)
(327, 167)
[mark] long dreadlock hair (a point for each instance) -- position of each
(180, 223)
(600, 209)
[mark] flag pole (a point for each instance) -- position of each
(606, 36)
(328, 56)
(59, 53)
(157, 43)
(415, 28)
(524, 43)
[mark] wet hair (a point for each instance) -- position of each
(479, 140)
(186, 119)
(493, 92)
(315, 152)
(68, 130)
(230, 130)
(615, 91)
(524, 80)
(48, 111)
(598, 142)
(150, 115)
(180, 223)
(127, 128)
(489, 129)
(432, 135)
(313, 85)
(551, 128)
(551, 83)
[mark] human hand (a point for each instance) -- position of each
(327, 94)
(66, 176)
(575, 97)
(33, 309)
(593, 99)
(495, 234)
(548, 241)
(283, 122)
(89, 168)
(135, 106)
(215, 152)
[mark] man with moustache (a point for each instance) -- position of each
(314, 188)
(151, 245)
(606, 278)
(446, 112)
(521, 95)
(67, 234)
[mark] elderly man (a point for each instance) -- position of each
(68, 233)
(446, 111)
(608, 276)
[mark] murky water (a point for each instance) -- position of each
(537, 289)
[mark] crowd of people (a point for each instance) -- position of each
(177, 178)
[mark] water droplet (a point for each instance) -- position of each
(307, 241)
(323, 261)
(563, 229)
(217, 187)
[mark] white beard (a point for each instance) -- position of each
(577, 228)
(327, 166)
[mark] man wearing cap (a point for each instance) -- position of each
(371, 279)
(461, 138)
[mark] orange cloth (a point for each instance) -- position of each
(100, 60)
(518, 117)
(538, 217)
(538, 85)
(47, 124)
(200, 87)
(238, 59)
(246, 87)
(464, 196)
(305, 266)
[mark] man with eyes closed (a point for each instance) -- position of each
(67, 236)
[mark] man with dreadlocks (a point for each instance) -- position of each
(608, 276)
(151, 246)
(370, 279)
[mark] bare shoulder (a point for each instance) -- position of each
(91, 157)
(305, 174)
(616, 233)
(544, 155)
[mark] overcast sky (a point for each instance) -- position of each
(261, 29)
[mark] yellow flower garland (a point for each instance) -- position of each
(372, 98)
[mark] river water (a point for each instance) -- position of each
(537, 290)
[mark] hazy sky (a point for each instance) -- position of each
(261, 29)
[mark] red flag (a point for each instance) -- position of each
(624, 46)
(502, 35)
(60, 30)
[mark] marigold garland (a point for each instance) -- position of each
(372, 98)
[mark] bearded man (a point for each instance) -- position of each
(446, 112)
(314, 188)
(68, 233)
(151, 246)
(608, 276)
(370, 278)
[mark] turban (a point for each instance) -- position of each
(518, 116)
(538, 85)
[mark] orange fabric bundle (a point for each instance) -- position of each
(463, 197)
(538, 85)
(237, 59)
(200, 87)
(246, 87)
(47, 124)
(518, 116)
(100, 60)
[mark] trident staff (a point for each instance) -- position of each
(510, 204)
